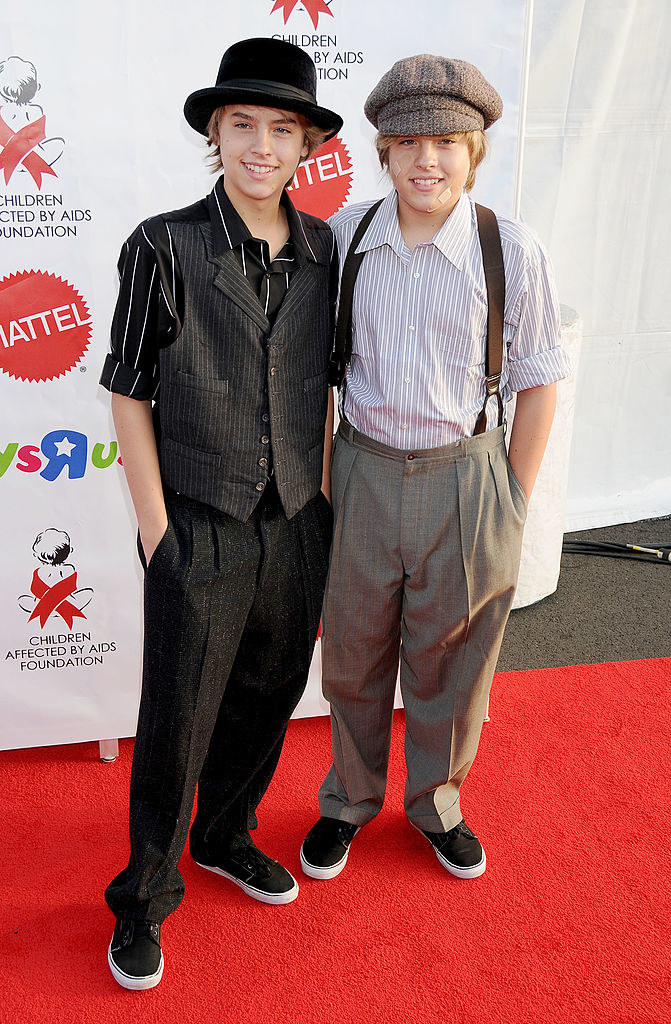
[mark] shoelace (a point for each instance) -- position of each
(462, 829)
(441, 839)
(136, 930)
(344, 832)
(252, 859)
(459, 831)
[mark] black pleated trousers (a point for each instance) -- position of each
(231, 617)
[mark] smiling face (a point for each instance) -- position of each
(429, 173)
(260, 149)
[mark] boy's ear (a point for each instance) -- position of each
(306, 148)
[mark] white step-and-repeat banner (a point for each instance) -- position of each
(92, 140)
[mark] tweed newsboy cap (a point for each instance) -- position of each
(427, 95)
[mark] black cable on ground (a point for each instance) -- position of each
(660, 553)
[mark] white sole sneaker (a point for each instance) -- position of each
(458, 872)
(129, 981)
(276, 899)
(313, 871)
(472, 872)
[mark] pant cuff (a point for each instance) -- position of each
(438, 822)
(333, 808)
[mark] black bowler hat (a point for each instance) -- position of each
(265, 73)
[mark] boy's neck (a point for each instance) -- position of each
(264, 218)
(417, 227)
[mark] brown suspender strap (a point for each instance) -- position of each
(492, 262)
(342, 351)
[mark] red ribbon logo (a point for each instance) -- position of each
(55, 599)
(18, 148)
(313, 7)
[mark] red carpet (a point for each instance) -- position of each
(570, 922)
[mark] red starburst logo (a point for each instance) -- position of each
(313, 7)
(45, 326)
(322, 183)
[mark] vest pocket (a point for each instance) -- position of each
(188, 380)
(196, 411)
(318, 381)
(183, 452)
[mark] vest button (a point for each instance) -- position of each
(265, 417)
(410, 457)
(265, 439)
(273, 371)
(260, 485)
(263, 462)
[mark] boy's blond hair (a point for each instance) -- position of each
(476, 141)
(314, 137)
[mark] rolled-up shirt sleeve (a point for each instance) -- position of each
(535, 354)
(144, 319)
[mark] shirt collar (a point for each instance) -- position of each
(452, 239)
(229, 229)
(384, 229)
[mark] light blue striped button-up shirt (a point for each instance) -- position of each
(416, 378)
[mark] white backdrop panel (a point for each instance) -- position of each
(114, 148)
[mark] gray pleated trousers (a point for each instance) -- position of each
(424, 565)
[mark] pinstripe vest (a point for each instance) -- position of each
(228, 367)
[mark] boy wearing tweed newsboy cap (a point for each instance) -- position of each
(429, 509)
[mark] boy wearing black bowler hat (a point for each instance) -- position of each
(218, 367)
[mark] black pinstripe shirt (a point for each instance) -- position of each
(150, 306)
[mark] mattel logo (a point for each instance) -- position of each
(321, 184)
(45, 326)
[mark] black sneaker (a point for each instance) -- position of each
(326, 847)
(260, 877)
(134, 955)
(458, 850)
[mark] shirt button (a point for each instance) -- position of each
(265, 417)
(415, 276)
(260, 485)
(411, 327)
(263, 462)
(407, 380)
(404, 426)
(265, 439)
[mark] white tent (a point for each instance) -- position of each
(595, 184)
